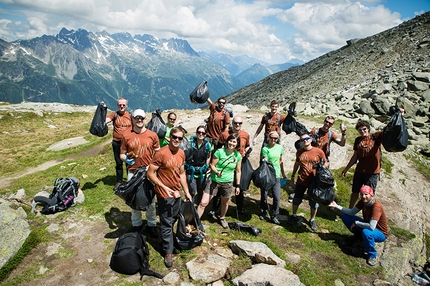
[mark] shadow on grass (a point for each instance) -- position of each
(348, 244)
(107, 180)
(119, 221)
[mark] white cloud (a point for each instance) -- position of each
(261, 29)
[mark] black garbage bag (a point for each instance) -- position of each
(245, 228)
(264, 177)
(321, 188)
(189, 229)
(395, 134)
(98, 125)
(138, 192)
(157, 124)
(300, 129)
(246, 174)
(289, 124)
(200, 94)
(186, 147)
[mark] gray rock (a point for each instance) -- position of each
(172, 278)
(263, 274)
(258, 251)
(366, 108)
(14, 230)
(209, 269)
(421, 76)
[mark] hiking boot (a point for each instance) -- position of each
(153, 232)
(275, 220)
(223, 223)
(263, 214)
(168, 260)
(137, 228)
(116, 186)
(313, 225)
(372, 261)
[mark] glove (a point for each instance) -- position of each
(129, 161)
(254, 141)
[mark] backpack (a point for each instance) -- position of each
(98, 125)
(62, 196)
(131, 255)
(229, 109)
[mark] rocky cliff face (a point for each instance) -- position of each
(359, 80)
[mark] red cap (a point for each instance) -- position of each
(366, 190)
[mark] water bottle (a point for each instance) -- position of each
(419, 280)
(68, 200)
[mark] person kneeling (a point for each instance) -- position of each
(372, 227)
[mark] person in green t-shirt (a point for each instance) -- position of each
(225, 165)
(171, 118)
(272, 152)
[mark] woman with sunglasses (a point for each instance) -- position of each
(197, 163)
(171, 119)
(272, 152)
(225, 165)
(306, 158)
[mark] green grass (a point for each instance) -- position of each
(322, 255)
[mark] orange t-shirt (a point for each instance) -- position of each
(122, 123)
(244, 140)
(369, 154)
(374, 212)
(323, 139)
(170, 165)
(272, 124)
(142, 144)
(307, 160)
(218, 120)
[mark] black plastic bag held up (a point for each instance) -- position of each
(157, 124)
(264, 176)
(98, 125)
(200, 94)
(395, 134)
(289, 124)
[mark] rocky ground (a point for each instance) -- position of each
(405, 195)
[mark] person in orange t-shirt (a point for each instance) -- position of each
(121, 120)
(218, 122)
(137, 148)
(167, 172)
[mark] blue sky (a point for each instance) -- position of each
(274, 31)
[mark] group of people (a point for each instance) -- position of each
(212, 170)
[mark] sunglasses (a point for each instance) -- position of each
(139, 118)
(221, 102)
(240, 123)
(274, 138)
(305, 139)
(201, 132)
(176, 137)
(172, 119)
(122, 105)
(328, 122)
(362, 129)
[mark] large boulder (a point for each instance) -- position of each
(14, 230)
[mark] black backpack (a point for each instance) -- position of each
(62, 196)
(98, 125)
(131, 255)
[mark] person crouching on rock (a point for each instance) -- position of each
(372, 227)
(226, 162)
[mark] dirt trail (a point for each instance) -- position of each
(6, 181)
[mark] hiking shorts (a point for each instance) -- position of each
(224, 189)
(361, 179)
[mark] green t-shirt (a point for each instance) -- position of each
(273, 155)
(229, 161)
(163, 141)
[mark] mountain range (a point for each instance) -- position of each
(82, 67)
